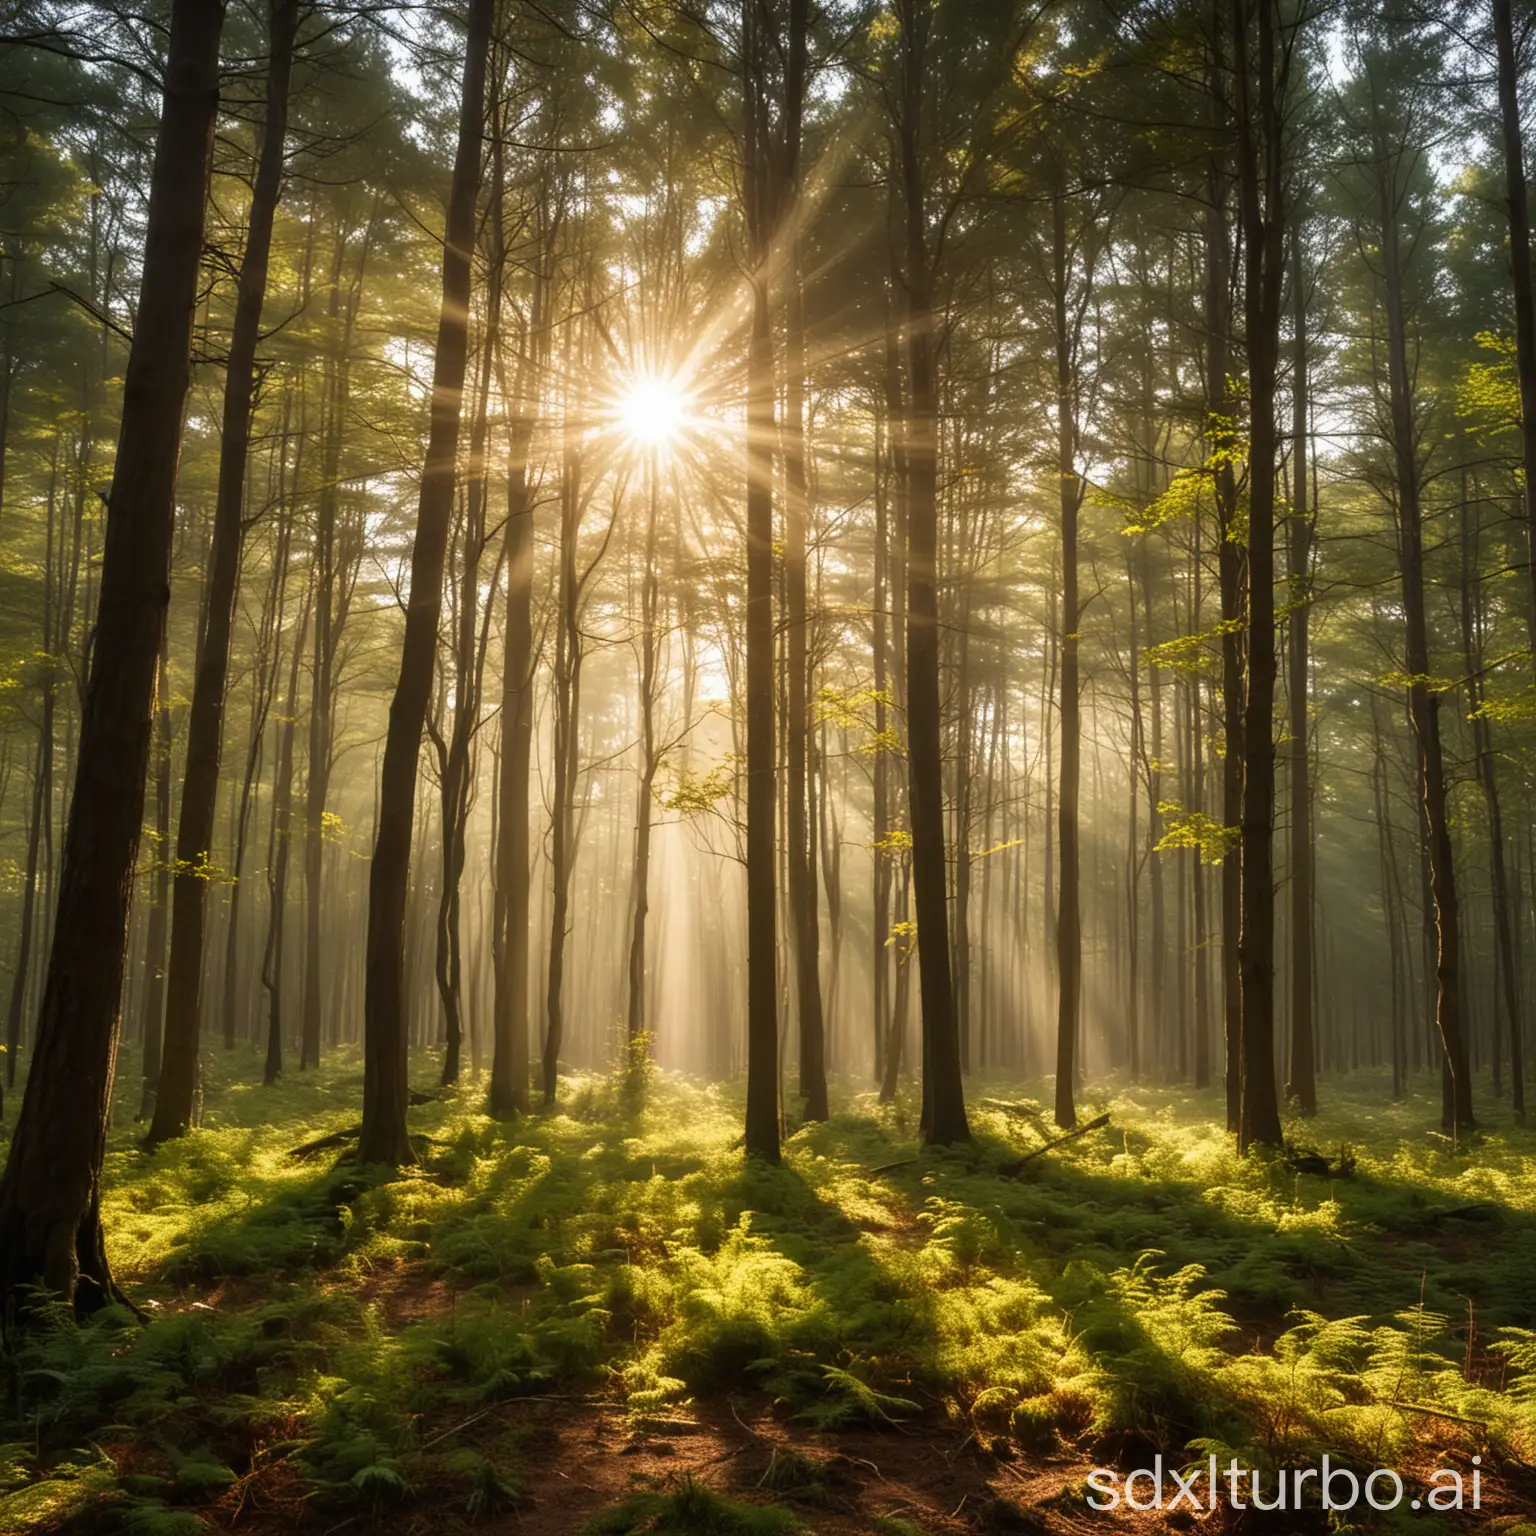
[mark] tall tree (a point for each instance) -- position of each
(1394, 62)
(1301, 1084)
(1261, 48)
(759, 42)
(384, 1137)
(1517, 205)
(205, 720)
(944, 1120)
(510, 1053)
(50, 1193)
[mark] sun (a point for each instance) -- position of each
(653, 410)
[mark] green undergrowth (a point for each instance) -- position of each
(339, 1339)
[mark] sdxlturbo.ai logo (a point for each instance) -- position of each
(1202, 1487)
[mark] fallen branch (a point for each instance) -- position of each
(1022, 1111)
(320, 1143)
(506, 1402)
(1008, 1170)
(905, 1162)
(1479, 1210)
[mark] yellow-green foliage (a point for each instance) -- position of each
(1141, 1282)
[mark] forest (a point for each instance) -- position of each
(767, 767)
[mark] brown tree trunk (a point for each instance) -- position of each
(38, 822)
(264, 685)
(1069, 933)
(205, 720)
(510, 1054)
(1511, 1013)
(635, 1018)
(569, 644)
(943, 1090)
(1423, 701)
(511, 934)
(50, 1205)
(457, 777)
(762, 1115)
(160, 890)
(1222, 437)
(384, 1137)
(802, 862)
(279, 843)
(1518, 209)
(1302, 1084)
(329, 615)
(890, 589)
(1261, 195)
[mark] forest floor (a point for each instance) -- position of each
(601, 1321)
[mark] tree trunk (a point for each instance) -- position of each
(280, 841)
(510, 1053)
(1069, 933)
(1508, 986)
(568, 658)
(1261, 193)
(1222, 437)
(327, 640)
(264, 685)
(943, 1090)
(802, 862)
(1518, 209)
(1302, 1085)
(154, 945)
(457, 777)
(384, 1137)
(1423, 701)
(205, 720)
(890, 589)
(50, 1207)
(762, 1115)
(42, 807)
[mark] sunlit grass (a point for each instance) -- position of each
(1142, 1286)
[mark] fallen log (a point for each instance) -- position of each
(1008, 1170)
(1022, 1111)
(320, 1143)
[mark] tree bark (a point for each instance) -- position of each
(1302, 1084)
(635, 1019)
(1261, 195)
(384, 1138)
(42, 806)
(154, 938)
(264, 685)
(279, 845)
(802, 862)
(457, 776)
(1069, 934)
(943, 1090)
(50, 1207)
(1518, 210)
(329, 618)
(569, 644)
(205, 719)
(1423, 700)
(1511, 1012)
(762, 1116)
(1222, 437)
